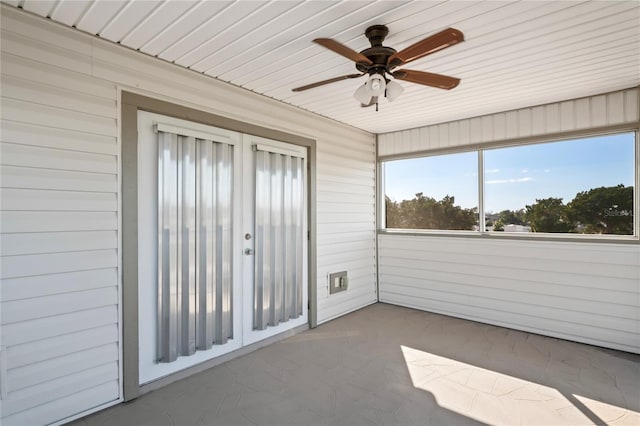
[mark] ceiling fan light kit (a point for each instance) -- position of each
(378, 86)
(362, 94)
(393, 91)
(379, 61)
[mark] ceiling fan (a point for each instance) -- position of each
(378, 61)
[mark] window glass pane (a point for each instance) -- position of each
(578, 186)
(439, 192)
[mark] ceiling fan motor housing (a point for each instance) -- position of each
(377, 53)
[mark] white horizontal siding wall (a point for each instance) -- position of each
(59, 239)
(583, 291)
(579, 114)
(60, 229)
(576, 291)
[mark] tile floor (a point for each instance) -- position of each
(387, 365)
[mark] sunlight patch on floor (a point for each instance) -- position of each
(496, 398)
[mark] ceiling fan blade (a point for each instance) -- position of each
(343, 50)
(427, 78)
(425, 47)
(323, 82)
(372, 102)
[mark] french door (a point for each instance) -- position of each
(275, 239)
(222, 242)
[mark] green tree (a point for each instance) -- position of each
(549, 215)
(604, 210)
(509, 217)
(392, 213)
(424, 212)
(512, 217)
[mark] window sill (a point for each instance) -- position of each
(582, 238)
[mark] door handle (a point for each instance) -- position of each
(248, 251)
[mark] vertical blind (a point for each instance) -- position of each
(279, 197)
(195, 193)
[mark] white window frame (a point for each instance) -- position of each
(482, 232)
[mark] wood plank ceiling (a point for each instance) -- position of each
(516, 53)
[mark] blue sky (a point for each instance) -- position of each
(515, 177)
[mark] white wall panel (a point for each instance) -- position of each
(346, 211)
(42, 285)
(41, 136)
(567, 116)
(51, 242)
(56, 55)
(538, 120)
(579, 114)
(37, 93)
(475, 128)
(47, 158)
(464, 136)
(583, 113)
(65, 386)
(56, 117)
(599, 110)
(64, 180)
(34, 200)
(615, 107)
(59, 229)
(631, 105)
(486, 125)
(27, 221)
(63, 78)
(41, 350)
(55, 263)
(513, 131)
(579, 291)
(59, 223)
(30, 375)
(39, 307)
(43, 328)
(63, 405)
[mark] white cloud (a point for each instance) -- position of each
(492, 171)
(547, 170)
(524, 171)
(496, 181)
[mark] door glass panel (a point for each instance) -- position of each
(194, 245)
(279, 209)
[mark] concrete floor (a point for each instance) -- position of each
(387, 365)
